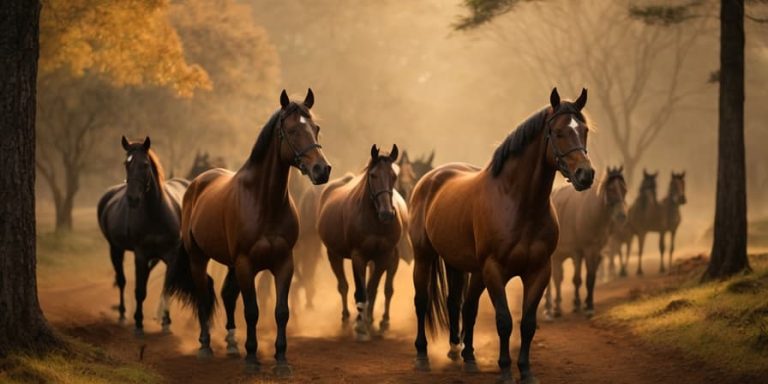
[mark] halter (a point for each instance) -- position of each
(559, 156)
(297, 154)
(375, 195)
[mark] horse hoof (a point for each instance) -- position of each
(506, 378)
(455, 352)
(204, 353)
(384, 326)
(531, 379)
(470, 367)
(589, 313)
(282, 370)
(138, 333)
(362, 336)
(640, 273)
(548, 317)
(232, 351)
(166, 329)
(252, 366)
(421, 364)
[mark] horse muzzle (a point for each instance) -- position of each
(320, 173)
(386, 216)
(583, 177)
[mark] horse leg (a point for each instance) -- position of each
(495, 284)
(624, 259)
(640, 245)
(671, 247)
(548, 303)
(117, 254)
(264, 284)
(337, 265)
(557, 279)
(469, 315)
(456, 284)
(578, 257)
(229, 293)
(283, 277)
(359, 266)
(389, 290)
(142, 276)
(533, 287)
(593, 264)
(424, 260)
(373, 287)
(244, 273)
(661, 251)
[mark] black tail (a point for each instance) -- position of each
(437, 313)
(180, 283)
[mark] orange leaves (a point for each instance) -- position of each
(129, 42)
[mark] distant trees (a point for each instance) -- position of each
(186, 73)
(636, 71)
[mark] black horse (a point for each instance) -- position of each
(142, 215)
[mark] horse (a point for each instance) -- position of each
(142, 215)
(362, 218)
(202, 163)
(641, 219)
(585, 220)
(669, 215)
(494, 223)
(410, 172)
(247, 221)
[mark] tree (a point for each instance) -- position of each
(87, 45)
(22, 325)
(637, 71)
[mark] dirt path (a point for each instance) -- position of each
(571, 350)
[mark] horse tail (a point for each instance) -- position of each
(180, 283)
(437, 313)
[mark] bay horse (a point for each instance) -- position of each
(410, 172)
(362, 218)
(585, 221)
(142, 215)
(670, 217)
(494, 223)
(641, 219)
(247, 221)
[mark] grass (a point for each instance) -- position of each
(81, 363)
(723, 323)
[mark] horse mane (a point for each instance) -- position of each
(157, 169)
(518, 139)
(265, 137)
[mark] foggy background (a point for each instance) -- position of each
(397, 72)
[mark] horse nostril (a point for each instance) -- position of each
(386, 216)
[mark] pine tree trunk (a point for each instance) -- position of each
(22, 325)
(729, 250)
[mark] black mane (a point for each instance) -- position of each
(265, 137)
(518, 139)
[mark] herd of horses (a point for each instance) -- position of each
(465, 229)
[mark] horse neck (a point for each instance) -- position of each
(527, 177)
(361, 195)
(267, 180)
(597, 203)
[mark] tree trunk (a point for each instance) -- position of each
(66, 202)
(729, 250)
(22, 325)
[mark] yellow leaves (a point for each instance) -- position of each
(129, 42)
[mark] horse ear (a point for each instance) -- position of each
(126, 145)
(645, 173)
(554, 98)
(431, 157)
(682, 174)
(374, 152)
(582, 100)
(404, 157)
(146, 144)
(309, 101)
(393, 154)
(284, 100)
(621, 168)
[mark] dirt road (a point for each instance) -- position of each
(571, 350)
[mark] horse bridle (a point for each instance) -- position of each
(560, 155)
(297, 154)
(147, 183)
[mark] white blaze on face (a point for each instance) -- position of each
(128, 160)
(302, 120)
(574, 124)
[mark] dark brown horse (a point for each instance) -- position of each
(142, 215)
(410, 172)
(495, 223)
(247, 221)
(585, 220)
(641, 219)
(669, 215)
(361, 219)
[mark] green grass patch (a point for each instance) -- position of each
(68, 249)
(81, 363)
(723, 323)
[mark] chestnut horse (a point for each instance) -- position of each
(142, 215)
(361, 219)
(495, 223)
(247, 221)
(585, 220)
